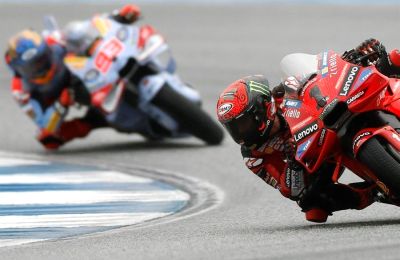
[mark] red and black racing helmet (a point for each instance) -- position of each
(247, 110)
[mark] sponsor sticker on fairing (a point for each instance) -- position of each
(328, 108)
(332, 65)
(292, 113)
(225, 108)
(293, 103)
(324, 64)
(306, 131)
(355, 97)
(304, 147)
(322, 137)
(357, 140)
(365, 74)
(348, 81)
(292, 83)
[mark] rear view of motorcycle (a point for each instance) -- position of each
(131, 78)
(348, 115)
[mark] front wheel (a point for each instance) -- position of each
(189, 115)
(384, 161)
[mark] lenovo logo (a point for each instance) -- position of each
(349, 81)
(308, 130)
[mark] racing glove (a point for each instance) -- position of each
(373, 48)
(369, 52)
(386, 64)
(128, 14)
(390, 64)
(66, 98)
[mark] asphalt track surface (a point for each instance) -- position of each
(215, 45)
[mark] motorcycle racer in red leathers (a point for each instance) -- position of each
(251, 113)
(44, 87)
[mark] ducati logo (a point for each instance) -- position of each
(225, 108)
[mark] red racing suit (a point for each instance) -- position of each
(316, 194)
(319, 196)
(269, 162)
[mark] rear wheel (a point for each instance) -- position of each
(383, 160)
(189, 115)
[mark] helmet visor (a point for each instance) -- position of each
(37, 67)
(246, 130)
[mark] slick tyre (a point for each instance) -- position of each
(383, 160)
(189, 115)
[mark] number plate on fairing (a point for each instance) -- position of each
(118, 43)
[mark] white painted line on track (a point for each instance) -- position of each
(42, 200)
(84, 197)
(19, 162)
(15, 242)
(77, 220)
(71, 177)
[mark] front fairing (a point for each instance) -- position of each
(307, 102)
(156, 53)
(318, 109)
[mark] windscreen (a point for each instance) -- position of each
(298, 65)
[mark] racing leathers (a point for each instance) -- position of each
(317, 195)
(47, 102)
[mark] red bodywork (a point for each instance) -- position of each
(359, 90)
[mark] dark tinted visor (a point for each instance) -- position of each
(245, 130)
(37, 67)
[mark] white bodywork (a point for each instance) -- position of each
(119, 44)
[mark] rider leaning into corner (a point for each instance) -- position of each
(251, 113)
(43, 86)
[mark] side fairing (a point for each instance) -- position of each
(336, 83)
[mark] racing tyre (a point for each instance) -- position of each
(189, 115)
(382, 159)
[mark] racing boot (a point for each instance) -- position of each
(366, 192)
(317, 215)
(335, 197)
(74, 129)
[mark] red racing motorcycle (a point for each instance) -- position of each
(344, 114)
